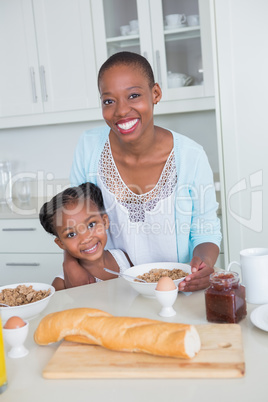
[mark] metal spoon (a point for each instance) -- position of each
(124, 275)
(4, 305)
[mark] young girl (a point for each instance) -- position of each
(157, 184)
(78, 220)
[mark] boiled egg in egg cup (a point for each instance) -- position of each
(166, 293)
(15, 332)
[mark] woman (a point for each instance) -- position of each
(157, 184)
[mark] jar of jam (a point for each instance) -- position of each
(225, 298)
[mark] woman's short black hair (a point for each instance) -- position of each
(86, 191)
(128, 59)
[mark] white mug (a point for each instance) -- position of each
(134, 25)
(193, 20)
(175, 19)
(254, 272)
(176, 80)
(124, 30)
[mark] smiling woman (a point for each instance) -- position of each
(77, 219)
(157, 184)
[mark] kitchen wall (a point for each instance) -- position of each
(47, 151)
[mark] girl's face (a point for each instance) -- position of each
(128, 101)
(81, 230)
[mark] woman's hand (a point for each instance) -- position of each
(74, 274)
(199, 278)
(204, 258)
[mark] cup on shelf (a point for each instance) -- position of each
(175, 20)
(124, 30)
(176, 80)
(193, 20)
(134, 26)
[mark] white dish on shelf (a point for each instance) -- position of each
(169, 27)
(259, 317)
(133, 32)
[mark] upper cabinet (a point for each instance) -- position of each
(174, 35)
(47, 62)
(52, 50)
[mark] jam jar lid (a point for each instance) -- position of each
(224, 279)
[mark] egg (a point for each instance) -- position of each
(14, 322)
(165, 283)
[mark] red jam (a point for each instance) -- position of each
(225, 298)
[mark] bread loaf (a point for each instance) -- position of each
(128, 334)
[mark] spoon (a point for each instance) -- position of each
(4, 305)
(124, 275)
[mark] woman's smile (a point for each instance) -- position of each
(127, 126)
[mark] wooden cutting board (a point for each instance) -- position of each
(221, 356)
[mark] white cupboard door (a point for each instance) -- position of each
(182, 61)
(20, 92)
(66, 54)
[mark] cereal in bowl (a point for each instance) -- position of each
(155, 274)
(21, 295)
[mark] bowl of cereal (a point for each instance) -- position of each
(152, 272)
(25, 300)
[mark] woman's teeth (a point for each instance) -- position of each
(128, 125)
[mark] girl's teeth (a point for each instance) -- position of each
(91, 249)
(128, 124)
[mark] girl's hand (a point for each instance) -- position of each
(199, 278)
(74, 274)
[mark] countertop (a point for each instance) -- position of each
(25, 381)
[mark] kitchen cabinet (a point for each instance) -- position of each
(171, 50)
(47, 63)
(48, 74)
(30, 254)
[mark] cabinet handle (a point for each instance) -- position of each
(32, 73)
(22, 264)
(44, 84)
(158, 67)
(18, 229)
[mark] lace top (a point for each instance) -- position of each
(141, 224)
(136, 204)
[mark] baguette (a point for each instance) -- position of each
(130, 334)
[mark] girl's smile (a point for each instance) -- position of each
(82, 231)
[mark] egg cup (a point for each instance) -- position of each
(15, 338)
(167, 298)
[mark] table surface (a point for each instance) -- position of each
(25, 381)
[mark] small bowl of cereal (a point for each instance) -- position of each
(25, 300)
(153, 272)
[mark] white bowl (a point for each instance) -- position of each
(27, 311)
(147, 289)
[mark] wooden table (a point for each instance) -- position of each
(25, 381)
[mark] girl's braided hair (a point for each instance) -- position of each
(86, 191)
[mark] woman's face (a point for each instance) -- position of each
(81, 230)
(128, 101)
